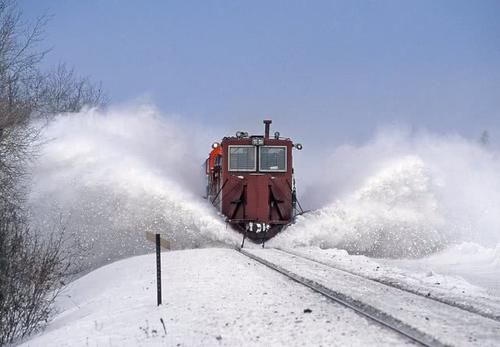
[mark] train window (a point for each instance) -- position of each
(272, 158)
(242, 158)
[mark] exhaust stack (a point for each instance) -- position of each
(267, 123)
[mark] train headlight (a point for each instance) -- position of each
(215, 145)
(298, 146)
(277, 135)
(257, 141)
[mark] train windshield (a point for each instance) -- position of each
(242, 158)
(272, 158)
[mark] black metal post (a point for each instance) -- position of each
(158, 269)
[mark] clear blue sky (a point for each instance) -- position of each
(328, 68)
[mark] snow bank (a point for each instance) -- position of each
(425, 275)
(476, 264)
(211, 297)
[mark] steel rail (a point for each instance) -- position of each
(363, 309)
(464, 307)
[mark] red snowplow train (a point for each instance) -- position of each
(250, 181)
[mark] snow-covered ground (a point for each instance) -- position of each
(218, 297)
(211, 297)
(474, 263)
(446, 323)
(432, 276)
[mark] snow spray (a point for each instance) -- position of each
(108, 177)
(402, 195)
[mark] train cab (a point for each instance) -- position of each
(250, 181)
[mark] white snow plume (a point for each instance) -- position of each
(403, 195)
(111, 176)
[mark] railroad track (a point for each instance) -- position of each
(423, 320)
(461, 305)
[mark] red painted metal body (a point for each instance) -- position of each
(257, 199)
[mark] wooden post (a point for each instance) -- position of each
(158, 269)
(160, 243)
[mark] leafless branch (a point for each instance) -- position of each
(32, 268)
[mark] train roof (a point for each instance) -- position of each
(244, 138)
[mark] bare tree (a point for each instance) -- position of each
(64, 91)
(25, 91)
(31, 266)
(18, 62)
(31, 275)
